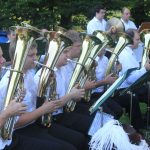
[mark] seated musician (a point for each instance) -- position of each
(128, 60)
(27, 128)
(74, 53)
(18, 142)
(109, 106)
(69, 120)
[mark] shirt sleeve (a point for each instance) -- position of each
(135, 75)
(90, 28)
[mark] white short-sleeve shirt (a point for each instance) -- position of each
(128, 60)
(129, 25)
(29, 99)
(96, 24)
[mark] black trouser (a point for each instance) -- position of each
(74, 137)
(75, 121)
(109, 106)
(72, 120)
(125, 101)
(21, 142)
(41, 134)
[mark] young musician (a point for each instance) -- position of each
(18, 142)
(69, 120)
(110, 106)
(26, 121)
(74, 53)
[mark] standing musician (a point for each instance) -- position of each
(25, 123)
(128, 60)
(98, 22)
(128, 24)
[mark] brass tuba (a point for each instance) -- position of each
(90, 48)
(91, 62)
(122, 42)
(47, 82)
(145, 38)
(106, 41)
(25, 37)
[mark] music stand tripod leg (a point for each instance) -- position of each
(148, 106)
(131, 99)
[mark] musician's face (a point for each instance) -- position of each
(31, 57)
(12, 36)
(136, 40)
(101, 14)
(2, 60)
(76, 50)
(62, 61)
(102, 52)
(126, 14)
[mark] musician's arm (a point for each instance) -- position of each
(4, 115)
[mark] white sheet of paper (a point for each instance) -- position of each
(100, 119)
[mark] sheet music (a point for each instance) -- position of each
(110, 90)
(100, 119)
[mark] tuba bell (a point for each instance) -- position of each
(145, 38)
(122, 42)
(25, 38)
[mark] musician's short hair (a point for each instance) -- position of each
(73, 35)
(33, 45)
(131, 32)
(98, 8)
(123, 9)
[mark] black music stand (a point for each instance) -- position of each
(137, 84)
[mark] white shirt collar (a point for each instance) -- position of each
(98, 19)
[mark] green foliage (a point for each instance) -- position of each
(67, 13)
(79, 20)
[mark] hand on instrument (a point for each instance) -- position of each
(77, 93)
(15, 108)
(89, 84)
(50, 106)
(110, 79)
